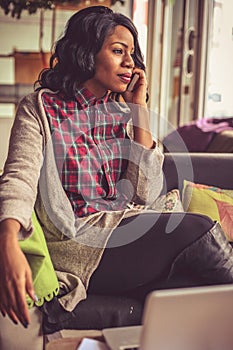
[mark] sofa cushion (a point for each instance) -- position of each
(212, 201)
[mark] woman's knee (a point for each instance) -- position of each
(197, 223)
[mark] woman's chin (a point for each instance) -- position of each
(120, 90)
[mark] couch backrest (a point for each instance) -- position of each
(205, 168)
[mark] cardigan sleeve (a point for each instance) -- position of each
(18, 183)
(144, 173)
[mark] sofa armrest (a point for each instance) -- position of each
(214, 169)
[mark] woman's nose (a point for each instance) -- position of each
(128, 61)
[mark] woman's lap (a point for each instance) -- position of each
(142, 249)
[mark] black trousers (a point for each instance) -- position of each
(141, 250)
(147, 252)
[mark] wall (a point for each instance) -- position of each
(20, 35)
(6, 124)
(24, 35)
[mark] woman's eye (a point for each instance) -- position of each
(118, 51)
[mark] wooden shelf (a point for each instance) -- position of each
(28, 65)
(10, 93)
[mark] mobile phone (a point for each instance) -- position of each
(133, 81)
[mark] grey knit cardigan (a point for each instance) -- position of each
(30, 181)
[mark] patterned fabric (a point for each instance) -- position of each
(168, 203)
(212, 201)
(91, 149)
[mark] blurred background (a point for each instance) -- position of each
(187, 45)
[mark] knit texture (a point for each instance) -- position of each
(30, 180)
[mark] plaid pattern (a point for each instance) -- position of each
(91, 149)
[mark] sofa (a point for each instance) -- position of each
(210, 135)
(97, 311)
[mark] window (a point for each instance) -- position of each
(219, 101)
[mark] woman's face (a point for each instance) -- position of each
(114, 63)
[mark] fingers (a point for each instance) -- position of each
(29, 286)
(2, 312)
(15, 282)
(6, 309)
(13, 316)
(141, 73)
(138, 95)
(15, 305)
(13, 300)
(22, 309)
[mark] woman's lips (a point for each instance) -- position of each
(125, 78)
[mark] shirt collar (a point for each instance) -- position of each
(105, 103)
(87, 99)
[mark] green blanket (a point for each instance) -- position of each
(44, 277)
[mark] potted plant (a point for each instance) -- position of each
(15, 7)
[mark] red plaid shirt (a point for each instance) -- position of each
(91, 149)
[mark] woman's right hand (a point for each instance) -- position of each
(15, 275)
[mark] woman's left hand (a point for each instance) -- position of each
(140, 116)
(138, 95)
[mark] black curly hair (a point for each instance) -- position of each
(73, 60)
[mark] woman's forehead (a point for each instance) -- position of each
(121, 35)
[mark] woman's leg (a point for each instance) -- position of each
(149, 256)
(14, 337)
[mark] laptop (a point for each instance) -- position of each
(197, 318)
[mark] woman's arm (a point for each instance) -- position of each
(15, 275)
(144, 169)
(19, 181)
(18, 191)
(145, 174)
(139, 111)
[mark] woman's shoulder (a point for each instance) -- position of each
(36, 95)
(30, 109)
(33, 102)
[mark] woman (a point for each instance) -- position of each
(90, 168)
